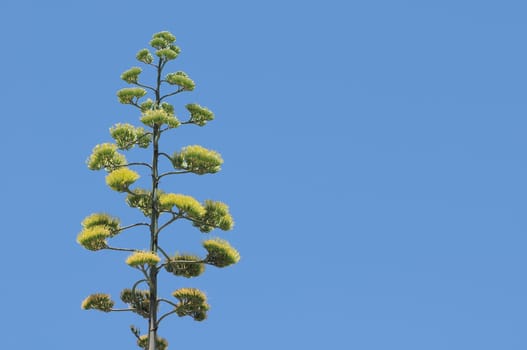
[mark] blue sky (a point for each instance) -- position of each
(374, 163)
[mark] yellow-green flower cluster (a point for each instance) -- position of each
(184, 203)
(120, 179)
(163, 42)
(139, 301)
(221, 253)
(185, 265)
(94, 238)
(198, 160)
(105, 156)
(99, 301)
(101, 219)
(192, 302)
(141, 258)
(161, 343)
(144, 56)
(181, 79)
(147, 105)
(158, 117)
(167, 107)
(169, 53)
(130, 95)
(142, 199)
(216, 215)
(131, 75)
(166, 37)
(127, 136)
(199, 115)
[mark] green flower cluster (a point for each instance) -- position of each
(211, 215)
(94, 238)
(216, 215)
(141, 199)
(198, 160)
(184, 203)
(130, 95)
(99, 301)
(127, 136)
(221, 253)
(139, 301)
(206, 216)
(131, 75)
(96, 229)
(101, 219)
(161, 343)
(181, 79)
(150, 104)
(141, 258)
(199, 115)
(144, 56)
(105, 156)
(185, 265)
(163, 42)
(120, 179)
(192, 302)
(158, 117)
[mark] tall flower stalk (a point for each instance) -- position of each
(161, 209)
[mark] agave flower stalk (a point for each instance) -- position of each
(160, 209)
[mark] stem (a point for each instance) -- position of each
(167, 301)
(174, 218)
(121, 249)
(164, 253)
(175, 173)
(144, 86)
(130, 226)
(172, 94)
(152, 316)
(168, 313)
(139, 163)
(118, 310)
(166, 156)
(165, 315)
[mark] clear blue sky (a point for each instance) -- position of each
(374, 163)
